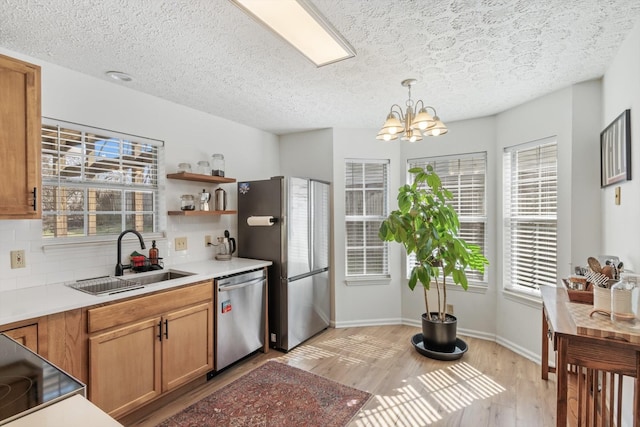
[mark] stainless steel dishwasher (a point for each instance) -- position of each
(240, 316)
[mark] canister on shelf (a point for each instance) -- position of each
(187, 202)
(217, 166)
(184, 167)
(204, 168)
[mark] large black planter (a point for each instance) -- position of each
(439, 336)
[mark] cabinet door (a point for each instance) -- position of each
(20, 117)
(187, 345)
(25, 335)
(124, 367)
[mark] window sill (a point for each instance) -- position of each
(531, 298)
(367, 280)
(61, 243)
(472, 288)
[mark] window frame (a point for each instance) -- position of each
(362, 277)
(128, 190)
(480, 156)
(539, 225)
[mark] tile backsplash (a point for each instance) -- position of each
(49, 261)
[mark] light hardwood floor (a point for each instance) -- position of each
(489, 386)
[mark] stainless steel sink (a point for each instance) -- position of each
(159, 277)
(112, 285)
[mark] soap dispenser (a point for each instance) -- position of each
(153, 253)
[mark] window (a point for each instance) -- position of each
(366, 206)
(97, 182)
(465, 176)
(530, 215)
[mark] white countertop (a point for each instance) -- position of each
(27, 303)
(75, 411)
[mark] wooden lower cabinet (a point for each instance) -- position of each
(25, 335)
(138, 360)
(185, 351)
(124, 367)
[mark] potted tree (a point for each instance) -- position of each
(427, 226)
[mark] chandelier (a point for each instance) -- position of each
(413, 123)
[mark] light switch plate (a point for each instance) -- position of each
(617, 198)
(17, 259)
(181, 244)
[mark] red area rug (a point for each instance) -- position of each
(276, 395)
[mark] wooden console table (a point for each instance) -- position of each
(595, 360)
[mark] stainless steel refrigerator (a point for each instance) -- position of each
(286, 220)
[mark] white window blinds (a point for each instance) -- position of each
(465, 176)
(530, 215)
(366, 206)
(97, 182)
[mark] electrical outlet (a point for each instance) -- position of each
(450, 308)
(17, 259)
(180, 244)
(207, 241)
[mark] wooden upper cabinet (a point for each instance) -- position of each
(20, 128)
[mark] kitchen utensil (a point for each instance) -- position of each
(220, 199)
(204, 200)
(594, 264)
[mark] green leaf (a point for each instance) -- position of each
(413, 279)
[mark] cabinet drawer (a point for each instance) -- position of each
(147, 306)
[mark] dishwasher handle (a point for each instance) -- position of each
(226, 288)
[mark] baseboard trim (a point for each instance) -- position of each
(372, 322)
(535, 358)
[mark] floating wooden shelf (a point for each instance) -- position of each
(185, 176)
(202, 213)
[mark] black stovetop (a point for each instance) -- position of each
(28, 382)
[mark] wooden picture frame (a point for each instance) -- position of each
(615, 151)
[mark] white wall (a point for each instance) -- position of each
(476, 307)
(307, 154)
(364, 304)
(621, 228)
(310, 155)
(585, 173)
(189, 136)
(553, 115)
(621, 90)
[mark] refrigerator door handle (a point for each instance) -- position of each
(310, 218)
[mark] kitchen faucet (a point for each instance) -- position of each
(119, 267)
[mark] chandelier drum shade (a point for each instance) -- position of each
(413, 123)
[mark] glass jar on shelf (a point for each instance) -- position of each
(187, 202)
(217, 165)
(204, 168)
(184, 167)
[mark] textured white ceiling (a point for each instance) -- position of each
(471, 57)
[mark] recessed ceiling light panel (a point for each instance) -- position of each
(300, 24)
